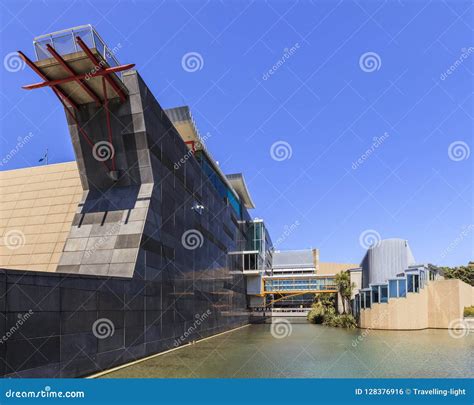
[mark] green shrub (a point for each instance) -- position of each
(463, 273)
(469, 311)
(322, 307)
(340, 321)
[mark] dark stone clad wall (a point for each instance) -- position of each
(174, 295)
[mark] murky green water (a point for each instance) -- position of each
(314, 351)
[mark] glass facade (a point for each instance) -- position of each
(300, 284)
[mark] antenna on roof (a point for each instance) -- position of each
(45, 157)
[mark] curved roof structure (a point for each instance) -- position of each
(237, 182)
(384, 260)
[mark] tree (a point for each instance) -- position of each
(322, 308)
(344, 287)
(463, 273)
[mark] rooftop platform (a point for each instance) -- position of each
(73, 62)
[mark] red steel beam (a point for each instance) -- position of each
(56, 89)
(73, 74)
(94, 60)
(81, 76)
(107, 118)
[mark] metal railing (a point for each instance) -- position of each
(64, 42)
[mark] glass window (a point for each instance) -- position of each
(392, 287)
(367, 299)
(410, 283)
(402, 288)
(384, 293)
(375, 294)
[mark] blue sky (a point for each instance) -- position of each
(324, 100)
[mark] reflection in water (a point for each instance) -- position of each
(314, 351)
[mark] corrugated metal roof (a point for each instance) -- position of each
(293, 259)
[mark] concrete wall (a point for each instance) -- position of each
(435, 306)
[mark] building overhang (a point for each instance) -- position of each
(238, 183)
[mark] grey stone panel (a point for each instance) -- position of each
(94, 269)
(101, 242)
(98, 256)
(128, 241)
(121, 269)
(124, 255)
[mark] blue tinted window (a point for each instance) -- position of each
(392, 287)
(402, 288)
(410, 286)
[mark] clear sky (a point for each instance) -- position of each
(292, 94)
